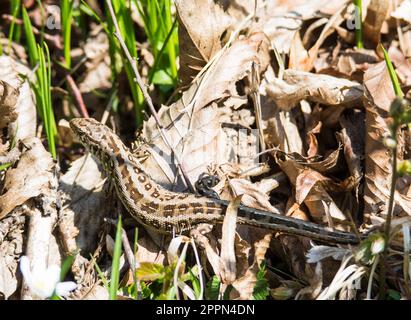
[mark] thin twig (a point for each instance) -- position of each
(257, 105)
(388, 218)
(77, 96)
(146, 96)
(177, 268)
(200, 269)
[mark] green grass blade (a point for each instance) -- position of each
(66, 265)
(66, 19)
(15, 9)
(85, 8)
(126, 26)
(101, 275)
(31, 40)
(5, 166)
(358, 24)
(115, 268)
(392, 73)
(160, 54)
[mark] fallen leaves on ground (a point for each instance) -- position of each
(274, 98)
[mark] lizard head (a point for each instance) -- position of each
(99, 139)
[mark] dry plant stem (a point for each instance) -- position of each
(131, 260)
(387, 230)
(370, 280)
(257, 105)
(129, 254)
(77, 96)
(146, 96)
(73, 70)
(177, 268)
(200, 268)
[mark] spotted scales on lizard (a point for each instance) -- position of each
(166, 211)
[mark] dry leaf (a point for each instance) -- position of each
(252, 195)
(202, 22)
(378, 98)
(281, 129)
(24, 126)
(8, 99)
(299, 85)
(299, 59)
(11, 248)
(403, 11)
(377, 11)
(29, 179)
(98, 74)
(193, 123)
(244, 286)
(402, 64)
(84, 205)
(227, 257)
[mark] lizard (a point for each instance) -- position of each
(165, 211)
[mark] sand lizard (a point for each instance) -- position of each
(166, 211)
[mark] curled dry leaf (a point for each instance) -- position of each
(377, 11)
(227, 257)
(32, 187)
(318, 253)
(299, 85)
(11, 248)
(202, 22)
(403, 11)
(8, 114)
(193, 122)
(377, 100)
(29, 179)
(281, 130)
(299, 59)
(84, 205)
(23, 124)
(98, 74)
(252, 194)
(284, 19)
(402, 64)
(148, 251)
(244, 285)
(313, 188)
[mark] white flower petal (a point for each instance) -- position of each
(378, 246)
(53, 274)
(64, 288)
(41, 281)
(42, 289)
(38, 270)
(25, 269)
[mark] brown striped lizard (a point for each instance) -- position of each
(165, 211)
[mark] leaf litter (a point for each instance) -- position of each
(274, 99)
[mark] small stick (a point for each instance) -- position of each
(146, 96)
(76, 92)
(77, 96)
